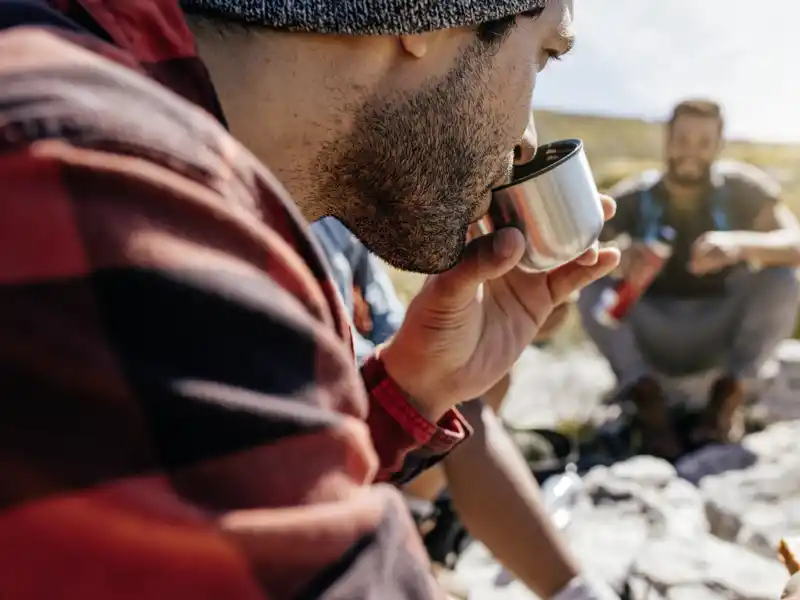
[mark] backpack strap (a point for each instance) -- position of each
(720, 208)
(652, 212)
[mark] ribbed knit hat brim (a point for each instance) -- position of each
(362, 17)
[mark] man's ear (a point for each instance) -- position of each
(415, 45)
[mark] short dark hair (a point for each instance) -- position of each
(697, 108)
(494, 32)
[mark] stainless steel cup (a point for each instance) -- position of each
(554, 201)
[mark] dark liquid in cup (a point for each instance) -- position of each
(546, 156)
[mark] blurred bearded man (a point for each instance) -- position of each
(725, 298)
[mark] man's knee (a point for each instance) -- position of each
(778, 286)
(770, 304)
(782, 281)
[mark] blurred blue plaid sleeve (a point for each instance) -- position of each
(386, 309)
(352, 264)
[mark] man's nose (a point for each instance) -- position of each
(527, 147)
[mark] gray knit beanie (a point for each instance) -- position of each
(362, 17)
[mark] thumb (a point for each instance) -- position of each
(486, 257)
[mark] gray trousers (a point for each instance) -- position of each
(735, 333)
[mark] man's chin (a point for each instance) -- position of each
(689, 180)
(423, 258)
(432, 246)
(482, 208)
(422, 263)
(692, 177)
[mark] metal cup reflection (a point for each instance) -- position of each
(554, 201)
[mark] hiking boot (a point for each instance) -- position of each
(652, 420)
(722, 420)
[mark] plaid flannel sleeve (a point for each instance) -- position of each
(407, 443)
(180, 416)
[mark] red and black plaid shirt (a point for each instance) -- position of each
(181, 416)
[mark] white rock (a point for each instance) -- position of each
(757, 506)
(719, 566)
(645, 524)
(549, 387)
(645, 470)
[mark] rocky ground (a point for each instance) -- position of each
(705, 530)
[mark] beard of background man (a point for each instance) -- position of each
(689, 172)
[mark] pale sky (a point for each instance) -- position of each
(637, 57)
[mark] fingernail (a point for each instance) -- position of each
(503, 244)
(592, 255)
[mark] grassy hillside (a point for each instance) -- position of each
(618, 148)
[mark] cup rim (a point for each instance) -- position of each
(516, 181)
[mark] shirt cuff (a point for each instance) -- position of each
(398, 427)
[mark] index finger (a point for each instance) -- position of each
(609, 206)
(573, 276)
